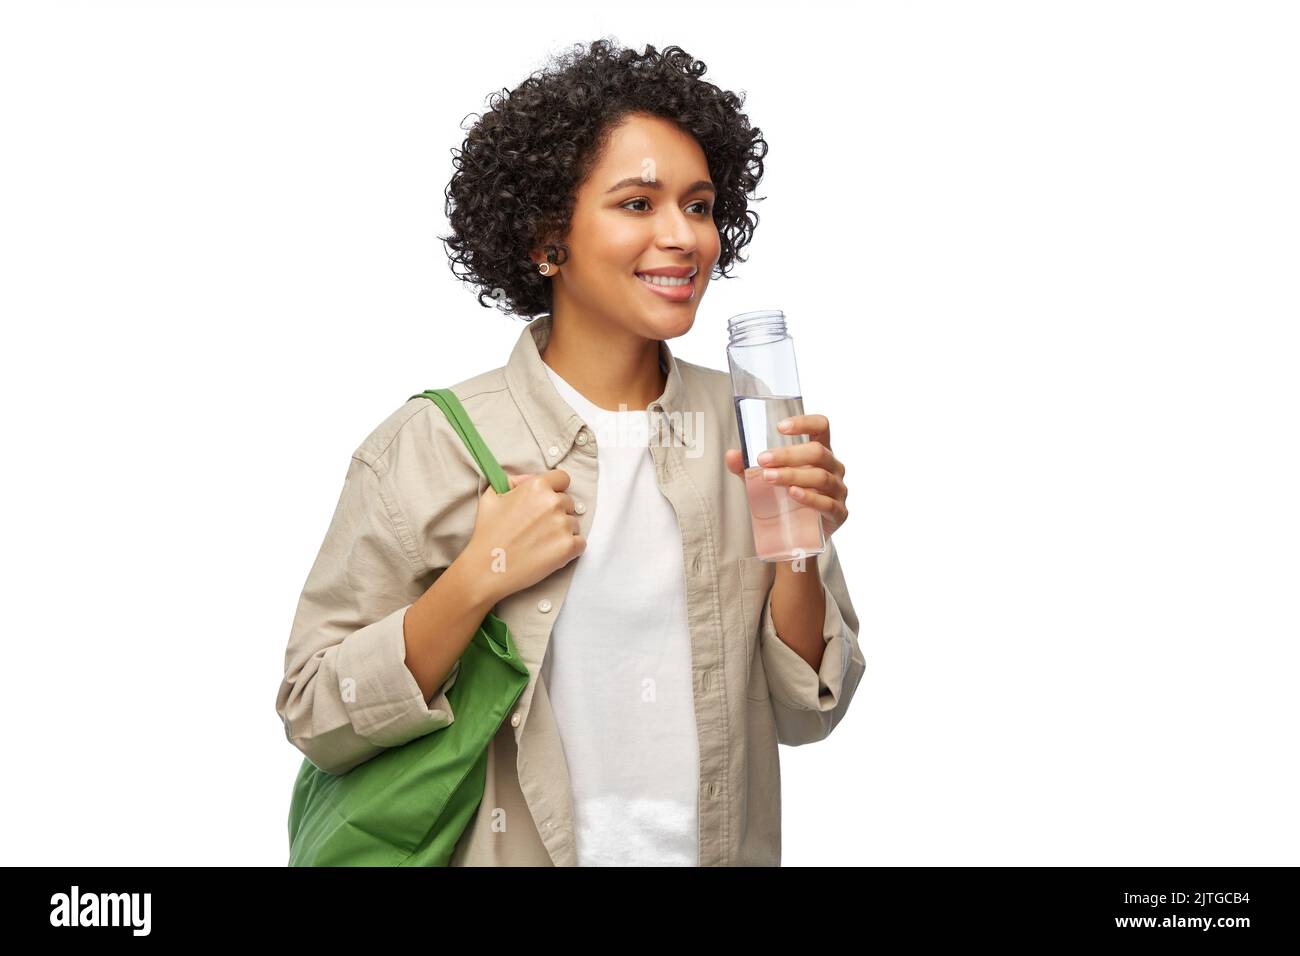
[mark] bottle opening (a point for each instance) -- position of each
(755, 328)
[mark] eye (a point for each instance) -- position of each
(708, 207)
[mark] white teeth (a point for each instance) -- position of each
(662, 280)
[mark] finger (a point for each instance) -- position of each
(557, 478)
(516, 480)
(815, 479)
(735, 463)
(803, 425)
(812, 453)
(832, 510)
(817, 426)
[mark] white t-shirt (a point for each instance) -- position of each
(618, 665)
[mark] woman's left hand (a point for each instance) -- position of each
(812, 474)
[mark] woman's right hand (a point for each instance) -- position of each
(524, 535)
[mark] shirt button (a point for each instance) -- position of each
(514, 719)
(553, 450)
(544, 605)
(580, 508)
(582, 438)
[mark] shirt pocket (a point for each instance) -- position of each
(756, 578)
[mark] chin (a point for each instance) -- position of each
(672, 326)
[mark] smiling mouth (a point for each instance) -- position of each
(670, 288)
(665, 281)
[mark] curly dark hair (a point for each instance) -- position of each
(519, 169)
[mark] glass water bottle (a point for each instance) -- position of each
(765, 383)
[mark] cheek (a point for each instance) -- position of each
(712, 244)
(618, 249)
(605, 241)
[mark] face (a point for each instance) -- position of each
(646, 206)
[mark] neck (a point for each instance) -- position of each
(609, 365)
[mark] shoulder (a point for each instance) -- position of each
(704, 384)
(419, 423)
(709, 377)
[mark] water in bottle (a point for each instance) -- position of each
(765, 384)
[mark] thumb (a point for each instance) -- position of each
(734, 461)
(516, 480)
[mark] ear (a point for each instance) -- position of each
(538, 252)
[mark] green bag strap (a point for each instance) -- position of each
(446, 399)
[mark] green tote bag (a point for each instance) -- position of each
(409, 805)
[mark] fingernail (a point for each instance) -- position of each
(770, 474)
(784, 424)
(765, 458)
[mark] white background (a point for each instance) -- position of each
(1040, 262)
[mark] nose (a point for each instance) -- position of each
(676, 231)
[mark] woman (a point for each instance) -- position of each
(666, 661)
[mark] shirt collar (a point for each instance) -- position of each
(553, 423)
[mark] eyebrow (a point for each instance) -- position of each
(700, 185)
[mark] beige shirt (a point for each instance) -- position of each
(407, 510)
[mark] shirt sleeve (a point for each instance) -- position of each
(807, 703)
(347, 693)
